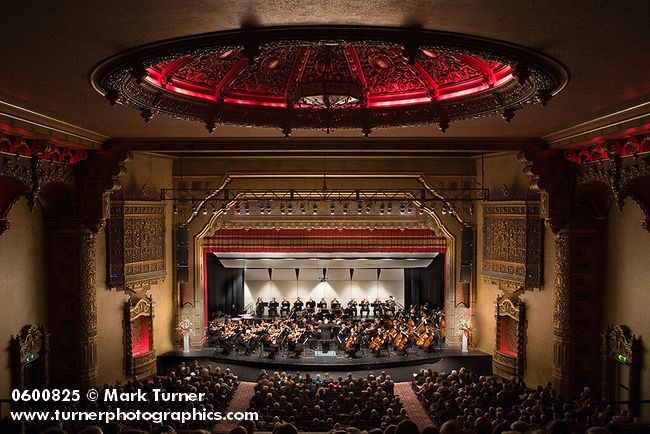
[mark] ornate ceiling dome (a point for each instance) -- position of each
(325, 77)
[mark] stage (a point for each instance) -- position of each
(247, 367)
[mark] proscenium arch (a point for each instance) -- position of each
(430, 219)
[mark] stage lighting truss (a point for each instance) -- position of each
(281, 203)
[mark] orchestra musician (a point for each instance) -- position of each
(294, 342)
(390, 304)
(352, 344)
(285, 307)
(259, 307)
(377, 307)
(365, 307)
(310, 305)
(297, 305)
(336, 306)
(273, 307)
(379, 341)
(406, 329)
(351, 311)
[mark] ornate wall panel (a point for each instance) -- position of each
(136, 247)
(512, 244)
(622, 177)
(139, 351)
(620, 346)
(509, 353)
(30, 347)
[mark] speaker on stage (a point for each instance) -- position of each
(466, 253)
(182, 254)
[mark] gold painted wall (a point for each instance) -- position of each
(156, 173)
(22, 281)
(627, 293)
(499, 170)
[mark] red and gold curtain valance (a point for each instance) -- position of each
(324, 241)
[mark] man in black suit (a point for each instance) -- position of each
(325, 334)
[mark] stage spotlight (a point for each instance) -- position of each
(204, 209)
(175, 209)
(332, 208)
(421, 209)
(237, 208)
(410, 208)
(359, 208)
(382, 207)
(268, 208)
(314, 208)
(402, 208)
(213, 208)
(289, 208)
(345, 208)
(303, 208)
(193, 206)
(281, 208)
(247, 208)
(389, 209)
(368, 207)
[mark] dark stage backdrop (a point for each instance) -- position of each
(423, 285)
(225, 288)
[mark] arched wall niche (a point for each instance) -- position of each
(201, 226)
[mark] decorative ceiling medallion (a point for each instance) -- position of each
(326, 77)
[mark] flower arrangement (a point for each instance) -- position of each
(465, 326)
(185, 327)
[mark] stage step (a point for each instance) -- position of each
(414, 408)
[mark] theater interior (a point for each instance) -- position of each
(476, 173)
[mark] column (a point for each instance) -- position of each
(73, 301)
(561, 373)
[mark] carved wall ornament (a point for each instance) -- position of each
(139, 351)
(512, 244)
(25, 172)
(510, 349)
(136, 244)
(621, 177)
(31, 345)
(608, 149)
(620, 346)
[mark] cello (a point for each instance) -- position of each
(349, 342)
(377, 342)
(400, 341)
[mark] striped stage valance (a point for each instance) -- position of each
(324, 241)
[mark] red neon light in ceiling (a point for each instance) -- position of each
(439, 76)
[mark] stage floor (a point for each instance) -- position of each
(403, 366)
